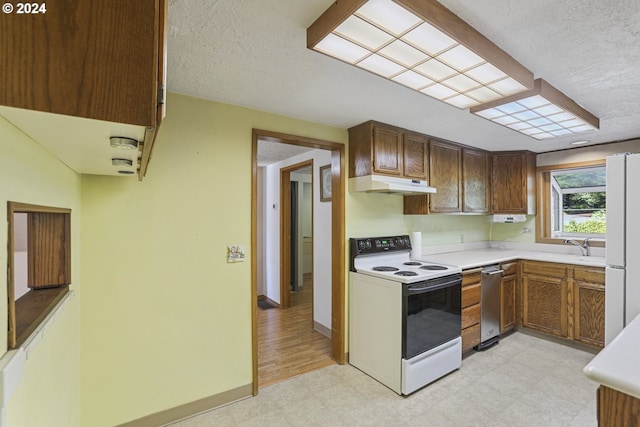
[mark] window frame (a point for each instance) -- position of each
(544, 233)
(39, 311)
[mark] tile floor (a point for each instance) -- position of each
(523, 381)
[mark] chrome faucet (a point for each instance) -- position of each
(584, 246)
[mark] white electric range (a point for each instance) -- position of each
(404, 315)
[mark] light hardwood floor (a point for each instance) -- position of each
(287, 344)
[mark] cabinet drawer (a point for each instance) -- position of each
(470, 337)
(470, 316)
(509, 268)
(471, 295)
(471, 277)
(544, 269)
(592, 275)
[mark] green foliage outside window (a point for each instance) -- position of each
(595, 225)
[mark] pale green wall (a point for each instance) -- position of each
(49, 392)
(166, 320)
(381, 215)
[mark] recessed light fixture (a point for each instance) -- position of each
(584, 141)
(541, 113)
(123, 142)
(121, 162)
(420, 44)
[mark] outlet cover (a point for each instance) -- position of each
(235, 253)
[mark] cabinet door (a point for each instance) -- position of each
(475, 178)
(588, 313)
(387, 150)
(102, 60)
(445, 164)
(415, 152)
(508, 302)
(545, 304)
(510, 186)
(48, 254)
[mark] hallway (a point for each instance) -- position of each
(287, 344)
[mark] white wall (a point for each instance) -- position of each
(260, 227)
(321, 235)
(48, 378)
(588, 153)
(20, 255)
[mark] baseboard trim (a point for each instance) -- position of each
(191, 409)
(322, 329)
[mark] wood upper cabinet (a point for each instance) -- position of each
(513, 182)
(387, 150)
(461, 178)
(100, 60)
(445, 174)
(476, 170)
(91, 59)
(377, 148)
(416, 155)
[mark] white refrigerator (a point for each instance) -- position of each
(622, 288)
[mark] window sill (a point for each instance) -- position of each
(33, 308)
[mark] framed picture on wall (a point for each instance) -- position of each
(325, 183)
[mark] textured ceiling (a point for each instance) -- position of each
(253, 53)
(272, 152)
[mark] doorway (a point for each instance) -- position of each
(335, 252)
(296, 229)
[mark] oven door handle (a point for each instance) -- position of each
(429, 288)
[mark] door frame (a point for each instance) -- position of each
(285, 227)
(338, 254)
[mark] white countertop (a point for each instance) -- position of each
(616, 366)
(487, 256)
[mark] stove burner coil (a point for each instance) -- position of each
(385, 268)
(433, 267)
(406, 273)
(412, 263)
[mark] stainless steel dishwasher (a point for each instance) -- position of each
(489, 307)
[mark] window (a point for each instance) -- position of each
(39, 265)
(572, 200)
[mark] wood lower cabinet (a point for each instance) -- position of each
(617, 409)
(544, 297)
(588, 306)
(470, 309)
(508, 286)
(564, 300)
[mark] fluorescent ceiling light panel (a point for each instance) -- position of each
(420, 44)
(366, 34)
(413, 80)
(542, 112)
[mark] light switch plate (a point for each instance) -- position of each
(235, 253)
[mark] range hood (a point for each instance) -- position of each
(389, 184)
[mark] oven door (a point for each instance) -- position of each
(431, 314)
